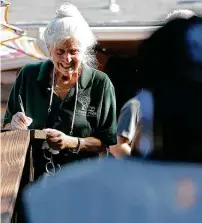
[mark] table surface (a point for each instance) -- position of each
(14, 147)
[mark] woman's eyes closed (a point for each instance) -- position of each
(72, 51)
(60, 51)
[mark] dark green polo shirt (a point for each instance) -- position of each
(95, 110)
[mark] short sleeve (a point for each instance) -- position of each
(128, 119)
(107, 128)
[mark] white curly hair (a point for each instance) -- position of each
(69, 23)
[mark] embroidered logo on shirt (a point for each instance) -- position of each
(84, 102)
(91, 111)
(85, 108)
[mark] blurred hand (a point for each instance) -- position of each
(57, 140)
(20, 121)
(121, 149)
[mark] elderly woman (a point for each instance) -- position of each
(73, 102)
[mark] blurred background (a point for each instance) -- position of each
(96, 12)
(119, 25)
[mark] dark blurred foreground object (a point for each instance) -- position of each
(122, 72)
(170, 67)
(118, 192)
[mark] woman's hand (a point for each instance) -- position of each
(20, 121)
(57, 140)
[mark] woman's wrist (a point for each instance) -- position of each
(77, 148)
(89, 144)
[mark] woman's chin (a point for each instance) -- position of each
(67, 73)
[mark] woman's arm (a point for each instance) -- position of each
(104, 134)
(59, 141)
(92, 144)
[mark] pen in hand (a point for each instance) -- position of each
(29, 120)
(21, 104)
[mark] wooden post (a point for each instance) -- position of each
(14, 149)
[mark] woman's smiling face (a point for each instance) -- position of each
(67, 57)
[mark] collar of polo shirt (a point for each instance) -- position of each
(85, 78)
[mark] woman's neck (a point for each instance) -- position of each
(70, 79)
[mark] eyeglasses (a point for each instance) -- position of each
(50, 167)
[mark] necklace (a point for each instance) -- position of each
(59, 89)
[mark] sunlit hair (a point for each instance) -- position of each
(69, 23)
(180, 13)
